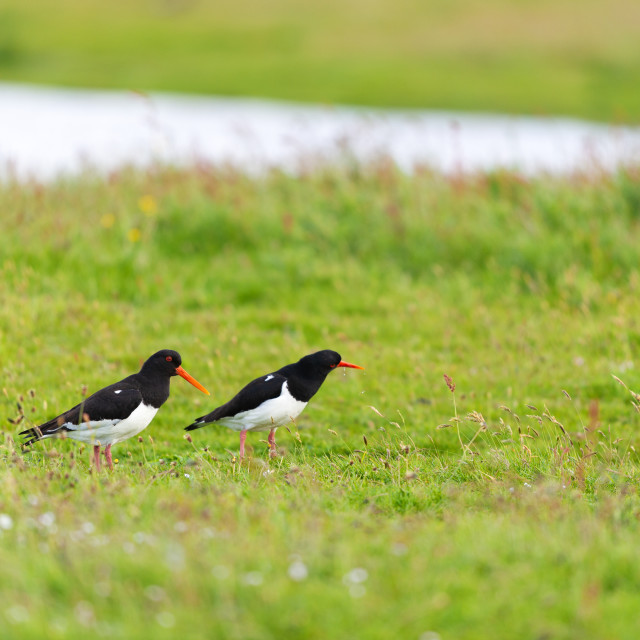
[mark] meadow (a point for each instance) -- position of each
(499, 501)
(538, 57)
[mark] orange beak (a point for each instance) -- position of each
(342, 363)
(182, 373)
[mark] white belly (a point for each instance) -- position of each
(269, 415)
(106, 432)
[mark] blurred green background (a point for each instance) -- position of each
(574, 57)
(510, 509)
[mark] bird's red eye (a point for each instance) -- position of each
(169, 358)
(333, 366)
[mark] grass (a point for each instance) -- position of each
(503, 502)
(517, 57)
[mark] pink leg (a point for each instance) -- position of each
(272, 443)
(96, 456)
(243, 437)
(107, 455)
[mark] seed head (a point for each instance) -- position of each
(450, 383)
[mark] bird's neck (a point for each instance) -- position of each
(304, 385)
(154, 389)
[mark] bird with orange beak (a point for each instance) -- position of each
(274, 399)
(119, 411)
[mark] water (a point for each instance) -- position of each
(45, 132)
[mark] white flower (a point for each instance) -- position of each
(155, 593)
(221, 572)
(298, 571)
(6, 521)
(47, 519)
(84, 613)
(253, 578)
(17, 613)
(355, 576)
(166, 619)
(88, 528)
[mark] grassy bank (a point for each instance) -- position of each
(506, 507)
(516, 57)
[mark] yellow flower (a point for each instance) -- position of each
(107, 220)
(148, 205)
(134, 235)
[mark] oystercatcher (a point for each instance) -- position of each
(275, 399)
(119, 411)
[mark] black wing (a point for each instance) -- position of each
(253, 395)
(117, 401)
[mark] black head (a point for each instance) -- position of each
(164, 363)
(307, 375)
(167, 363)
(323, 362)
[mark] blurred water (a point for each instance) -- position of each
(46, 131)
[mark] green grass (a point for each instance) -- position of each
(560, 57)
(508, 508)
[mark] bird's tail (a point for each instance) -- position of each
(53, 428)
(198, 424)
(31, 435)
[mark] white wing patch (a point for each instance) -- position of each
(269, 377)
(269, 415)
(111, 431)
(118, 391)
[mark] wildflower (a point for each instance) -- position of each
(16, 614)
(221, 572)
(166, 619)
(134, 235)
(88, 528)
(47, 519)
(355, 576)
(298, 571)
(107, 220)
(84, 613)
(253, 578)
(155, 593)
(148, 205)
(6, 521)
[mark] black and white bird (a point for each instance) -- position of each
(119, 411)
(275, 399)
